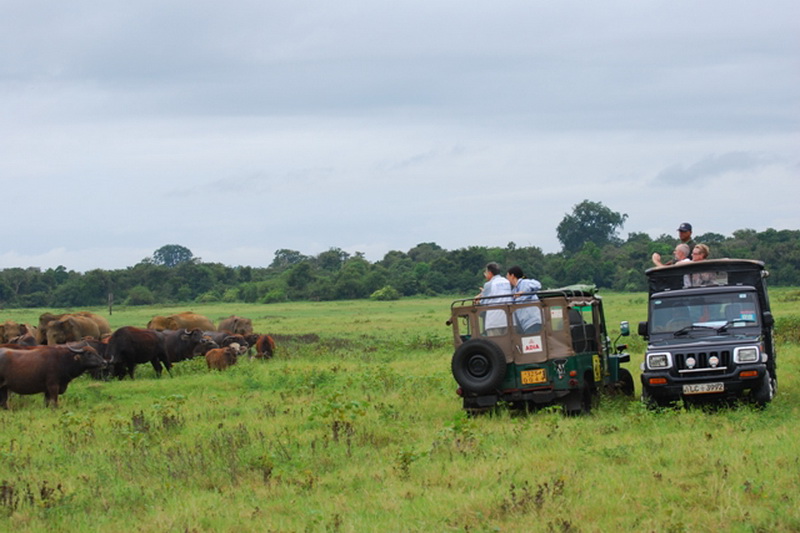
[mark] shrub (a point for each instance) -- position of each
(386, 293)
(140, 295)
(275, 295)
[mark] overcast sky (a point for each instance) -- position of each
(239, 128)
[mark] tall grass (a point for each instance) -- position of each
(355, 426)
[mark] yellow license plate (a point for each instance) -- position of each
(529, 377)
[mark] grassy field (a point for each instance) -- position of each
(355, 426)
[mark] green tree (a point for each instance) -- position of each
(589, 222)
(172, 255)
(285, 258)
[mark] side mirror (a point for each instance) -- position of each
(624, 328)
(768, 319)
(643, 329)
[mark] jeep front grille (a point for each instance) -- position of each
(701, 361)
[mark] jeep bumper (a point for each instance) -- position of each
(668, 386)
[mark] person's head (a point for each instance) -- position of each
(681, 251)
(685, 232)
(514, 274)
(700, 252)
(492, 270)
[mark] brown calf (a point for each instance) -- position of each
(221, 358)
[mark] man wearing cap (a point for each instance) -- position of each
(685, 235)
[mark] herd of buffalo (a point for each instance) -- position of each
(45, 358)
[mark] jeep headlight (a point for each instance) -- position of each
(746, 354)
(659, 360)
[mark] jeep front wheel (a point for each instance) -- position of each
(479, 366)
(765, 391)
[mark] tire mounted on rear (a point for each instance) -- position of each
(479, 366)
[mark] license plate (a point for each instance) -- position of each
(529, 377)
(703, 388)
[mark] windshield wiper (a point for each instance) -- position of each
(729, 323)
(687, 329)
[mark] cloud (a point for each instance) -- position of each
(713, 166)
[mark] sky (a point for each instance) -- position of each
(239, 128)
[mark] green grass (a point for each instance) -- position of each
(355, 426)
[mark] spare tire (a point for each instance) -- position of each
(479, 366)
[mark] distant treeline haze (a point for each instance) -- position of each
(173, 275)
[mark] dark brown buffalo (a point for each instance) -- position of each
(182, 344)
(47, 369)
(101, 347)
(237, 325)
(130, 346)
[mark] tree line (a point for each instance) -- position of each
(591, 253)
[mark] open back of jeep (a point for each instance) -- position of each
(565, 357)
(709, 332)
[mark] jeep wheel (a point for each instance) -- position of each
(651, 402)
(581, 401)
(625, 383)
(479, 366)
(765, 391)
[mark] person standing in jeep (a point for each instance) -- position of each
(527, 320)
(685, 235)
(495, 322)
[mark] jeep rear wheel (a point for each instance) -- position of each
(581, 401)
(479, 366)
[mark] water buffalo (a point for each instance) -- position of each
(185, 320)
(265, 347)
(237, 325)
(221, 358)
(47, 369)
(130, 346)
(182, 344)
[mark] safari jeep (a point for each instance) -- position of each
(709, 331)
(566, 361)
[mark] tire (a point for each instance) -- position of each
(625, 383)
(765, 391)
(581, 401)
(650, 402)
(479, 366)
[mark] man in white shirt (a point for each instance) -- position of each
(681, 255)
(495, 320)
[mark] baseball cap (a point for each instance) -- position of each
(685, 227)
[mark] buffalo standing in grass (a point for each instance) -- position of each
(130, 346)
(47, 369)
(183, 344)
(221, 358)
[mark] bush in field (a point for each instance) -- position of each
(386, 293)
(140, 295)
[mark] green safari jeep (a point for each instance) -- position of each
(566, 358)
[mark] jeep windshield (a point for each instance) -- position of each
(703, 314)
